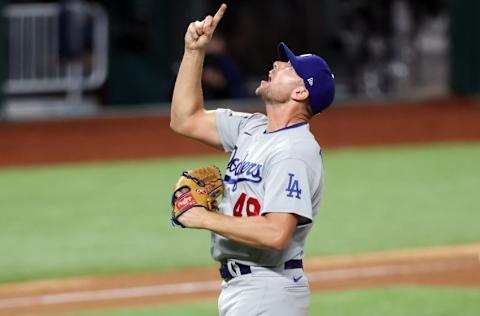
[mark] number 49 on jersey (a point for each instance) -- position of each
(252, 206)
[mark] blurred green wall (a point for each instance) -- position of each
(3, 51)
(146, 40)
(465, 46)
(140, 68)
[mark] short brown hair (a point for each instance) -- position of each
(309, 108)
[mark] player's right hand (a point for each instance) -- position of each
(199, 33)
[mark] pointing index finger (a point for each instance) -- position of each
(219, 15)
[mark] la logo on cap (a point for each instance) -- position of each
(310, 81)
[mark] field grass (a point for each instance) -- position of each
(399, 301)
(107, 218)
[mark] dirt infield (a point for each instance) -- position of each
(449, 266)
(139, 137)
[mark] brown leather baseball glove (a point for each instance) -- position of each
(196, 187)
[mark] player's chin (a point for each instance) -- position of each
(261, 88)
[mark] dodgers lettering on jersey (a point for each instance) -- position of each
(279, 172)
(242, 170)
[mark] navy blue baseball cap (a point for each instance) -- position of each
(316, 74)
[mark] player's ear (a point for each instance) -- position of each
(300, 94)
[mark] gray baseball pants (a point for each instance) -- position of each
(266, 292)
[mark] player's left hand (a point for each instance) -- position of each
(194, 218)
(197, 187)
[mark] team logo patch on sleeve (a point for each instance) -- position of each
(293, 187)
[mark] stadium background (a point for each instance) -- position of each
(86, 172)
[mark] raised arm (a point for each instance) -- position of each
(188, 116)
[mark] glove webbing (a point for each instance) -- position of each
(196, 180)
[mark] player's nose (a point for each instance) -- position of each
(277, 65)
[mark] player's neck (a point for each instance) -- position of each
(283, 115)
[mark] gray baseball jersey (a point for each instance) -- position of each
(277, 172)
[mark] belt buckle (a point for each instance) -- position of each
(233, 269)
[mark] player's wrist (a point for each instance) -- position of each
(207, 220)
(194, 52)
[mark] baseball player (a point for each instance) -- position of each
(273, 180)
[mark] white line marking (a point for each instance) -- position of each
(98, 295)
(197, 287)
(381, 271)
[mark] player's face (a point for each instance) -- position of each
(282, 79)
